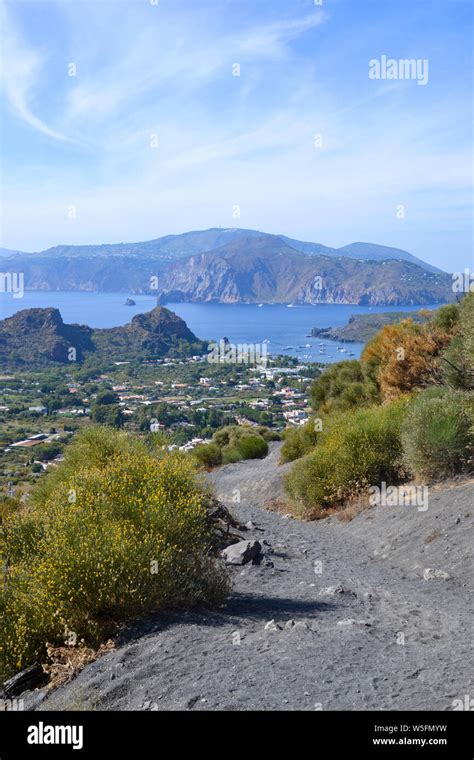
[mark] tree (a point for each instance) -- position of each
(106, 397)
(107, 414)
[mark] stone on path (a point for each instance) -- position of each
(430, 574)
(332, 590)
(242, 552)
(272, 626)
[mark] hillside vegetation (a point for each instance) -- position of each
(405, 410)
(116, 531)
(234, 443)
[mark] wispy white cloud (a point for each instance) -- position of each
(166, 59)
(272, 39)
(19, 72)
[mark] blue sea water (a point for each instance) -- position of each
(287, 329)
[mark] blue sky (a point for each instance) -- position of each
(163, 73)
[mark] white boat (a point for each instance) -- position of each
(260, 305)
(289, 306)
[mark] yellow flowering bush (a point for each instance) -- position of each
(116, 537)
(358, 449)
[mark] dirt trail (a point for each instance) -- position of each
(387, 640)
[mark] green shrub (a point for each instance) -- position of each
(240, 442)
(360, 448)
(437, 433)
(342, 386)
(230, 454)
(458, 359)
(268, 434)
(299, 441)
(8, 506)
(208, 454)
(447, 316)
(95, 446)
(224, 435)
(123, 534)
(252, 447)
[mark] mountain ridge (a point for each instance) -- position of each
(181, 245)
(247, 271)
(246, 267)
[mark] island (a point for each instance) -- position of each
(362, 327)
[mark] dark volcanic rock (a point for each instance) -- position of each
(27, 679)
(40, 337)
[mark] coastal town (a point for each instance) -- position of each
(182, 401)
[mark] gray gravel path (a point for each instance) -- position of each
(390, 640)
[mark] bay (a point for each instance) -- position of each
(285, 328)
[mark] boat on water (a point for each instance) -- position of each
(260, 305)
(289, 306)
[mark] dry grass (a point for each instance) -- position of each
(66, 662)
(344, 513)
(277, 505)
(432, 537)
(352, 507)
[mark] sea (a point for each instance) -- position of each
(285, 328)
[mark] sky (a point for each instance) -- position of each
(125, 120)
